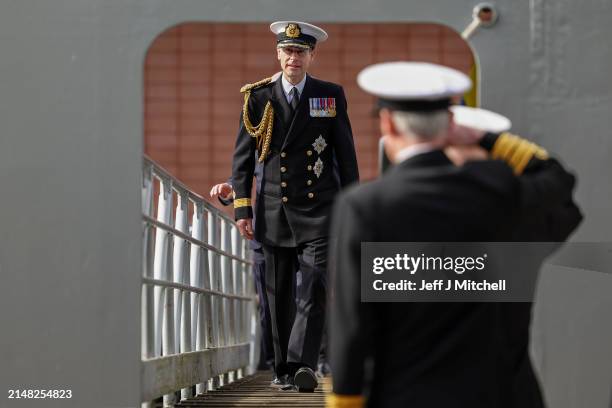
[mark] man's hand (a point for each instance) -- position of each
(459, 135)
(223, 190)
(461, 154)
(245, 226)
(462, 144)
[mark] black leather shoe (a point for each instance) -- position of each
(305, 380)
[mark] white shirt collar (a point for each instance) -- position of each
(414, 150)
(287, 86)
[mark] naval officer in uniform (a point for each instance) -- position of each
(297, 127)
(460, 355)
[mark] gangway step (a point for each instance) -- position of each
(255, 391)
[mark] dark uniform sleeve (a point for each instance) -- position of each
(344, 146)
(243, 167)
(350, 320)
(547, 182)
(545, 188)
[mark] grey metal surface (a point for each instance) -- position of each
(168, 374)
(71, 151)
(70, 164)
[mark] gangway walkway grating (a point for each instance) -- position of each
(255, 391)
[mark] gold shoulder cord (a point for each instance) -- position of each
(263, 131)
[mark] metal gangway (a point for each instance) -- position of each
(199, 324)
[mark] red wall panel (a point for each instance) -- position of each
(193, 73)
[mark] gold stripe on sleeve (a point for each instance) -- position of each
(242, 202)
(345, 401)
(520, 166)
(516, 151)
(524, 148)
(541, 153)
(504, 143)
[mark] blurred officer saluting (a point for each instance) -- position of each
(297, 127)
(460, 355)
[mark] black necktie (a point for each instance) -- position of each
(295, 100)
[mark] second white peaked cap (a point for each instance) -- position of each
(481, 119)
(297, 33)
(413, 81)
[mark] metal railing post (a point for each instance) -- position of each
(217, 305)
(226, 283)
(237, 274)
(200, 304)
(147, 346)
(164, 332)
(227, 286)
(182, 311)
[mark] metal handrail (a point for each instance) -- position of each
(194, 241)
(198, 295)
(162, 172)
(194, 289)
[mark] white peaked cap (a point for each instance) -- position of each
(413, 81)
(481, 119)
(297, 33)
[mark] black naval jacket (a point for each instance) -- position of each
(257, 173)
(460, 355)
(295, 202)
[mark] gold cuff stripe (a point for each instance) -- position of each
(525, 158)
(511, 148)
(523, 147)
(516, 151)
(541, 154)
(242, 202)
(500, 144)
(345, 401)
(505, 146)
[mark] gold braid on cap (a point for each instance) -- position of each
(263, 131)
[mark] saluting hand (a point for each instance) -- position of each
(461, 154)
(245, 226)
(463, 144)
(463, 135)
(224, 190)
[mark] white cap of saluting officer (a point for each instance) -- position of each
(416, 99)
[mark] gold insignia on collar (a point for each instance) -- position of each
(292, 30)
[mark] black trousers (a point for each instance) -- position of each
(298, 317)
(266, 361)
